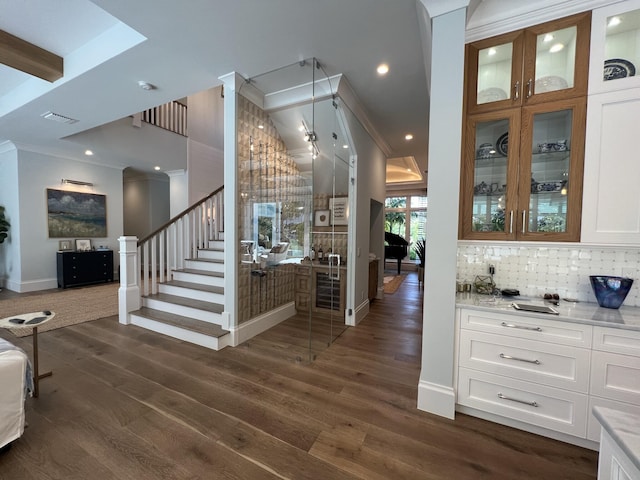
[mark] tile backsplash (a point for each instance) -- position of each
(536, 270)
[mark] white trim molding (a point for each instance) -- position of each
(437, 399)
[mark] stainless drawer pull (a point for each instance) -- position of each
(509, 357)
(504, 397)
(511, 325)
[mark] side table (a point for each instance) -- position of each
(31, 320)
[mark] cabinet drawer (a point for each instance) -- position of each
(547, 407)
(616, 377)
(616, 340)
(529, 360)
(593, 425)
(524, 326)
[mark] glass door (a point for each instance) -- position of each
(489, 175)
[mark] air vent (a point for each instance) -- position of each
(58, 118)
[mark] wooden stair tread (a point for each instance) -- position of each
(198, 326)
(200, 272)
(212, 249)
(206, 260)
(187, 302)
(195, 286)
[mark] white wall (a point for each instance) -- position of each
(33, 252)
(146, 197)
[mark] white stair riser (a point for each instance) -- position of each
(182, 310)
(195, 278)
(214, 343)
(207, 266)
(190, 293)
(217, 244)
(211, 254)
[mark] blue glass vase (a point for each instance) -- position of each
(610, 291)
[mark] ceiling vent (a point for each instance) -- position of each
(58, 118)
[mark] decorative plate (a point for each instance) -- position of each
(493, 94)
(502, 144)
(550, 83)
(618, 68)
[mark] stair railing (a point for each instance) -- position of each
(166, 248)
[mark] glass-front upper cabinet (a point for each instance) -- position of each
(615, 47)
(539, 64)
(489, 178)
(551, 170)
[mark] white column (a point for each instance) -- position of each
(232, 84)
(436, 392)
(129, 291)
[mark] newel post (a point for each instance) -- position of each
(129, 291)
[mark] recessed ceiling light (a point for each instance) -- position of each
(383, 69)
(260, 127)
(547, 38)
(88, 153)
(408, 136)
(613, 21)
(492, 52)
(556, 47)
(345, 146)
(156, 168)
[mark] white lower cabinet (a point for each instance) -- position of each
(613, 462)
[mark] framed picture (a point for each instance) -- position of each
(76, 214)
(321, 218)
(64, 245)
(83, 245)
(339, 207)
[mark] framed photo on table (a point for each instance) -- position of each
(64, 245)
(83, 245)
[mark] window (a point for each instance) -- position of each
(407, 217)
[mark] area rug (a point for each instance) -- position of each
(391, 283)
(72, 306)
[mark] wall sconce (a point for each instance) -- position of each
(66, 181)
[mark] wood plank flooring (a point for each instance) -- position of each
(125, 403)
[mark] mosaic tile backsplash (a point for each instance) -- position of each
(536, 270)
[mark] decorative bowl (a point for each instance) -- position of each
(610, 291)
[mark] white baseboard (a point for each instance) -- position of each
(437, 399)
(260, 324)
(33, 286)
(361, 311)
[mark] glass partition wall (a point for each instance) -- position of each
(294, 171)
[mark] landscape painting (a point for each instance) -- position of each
(76, 214)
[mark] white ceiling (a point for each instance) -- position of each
(184, 47)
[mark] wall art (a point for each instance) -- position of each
(76, 214)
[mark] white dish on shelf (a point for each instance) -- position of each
(615, 68)
(493, 94)
(550, 83)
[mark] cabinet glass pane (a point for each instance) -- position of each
(494, 73)
(622, 46)
(490, 176)
(555, 60)
(550, 162)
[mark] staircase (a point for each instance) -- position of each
(183, 296)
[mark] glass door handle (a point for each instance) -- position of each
(529, 88)
(516, 90)
(511, 221)
(524, 221)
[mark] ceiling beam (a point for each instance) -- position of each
(26, 57)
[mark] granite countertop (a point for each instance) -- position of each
(627, 318)
(624, 429)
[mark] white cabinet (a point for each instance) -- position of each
(615, 47)
(613, 462)
(527, 369)
(610, 208)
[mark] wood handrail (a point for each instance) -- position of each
(181, 214)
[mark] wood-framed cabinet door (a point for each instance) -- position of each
(551, 171)
(556, 59)
(494, 73)
(489, 176)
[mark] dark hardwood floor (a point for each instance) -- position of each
(125, 403)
